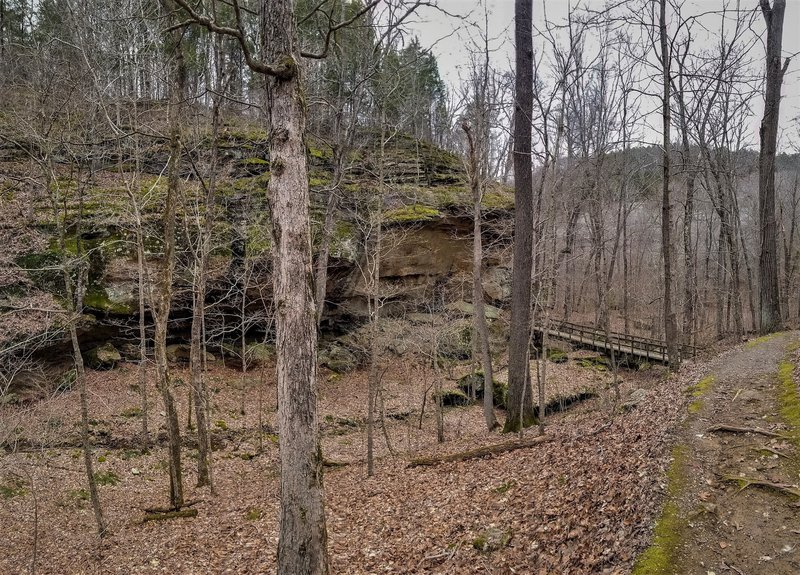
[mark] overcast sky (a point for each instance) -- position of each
(449, 38)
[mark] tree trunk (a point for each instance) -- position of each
(670, 323)
(321, 276)
(479, 316)
(768, 135)
(303, 535)
(197, 350)
(74, 300)
(788, 251)
(142, 285)
(569, 265)
(690, 280)
(163, 298)
(520, 405)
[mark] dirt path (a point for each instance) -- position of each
(714, 521)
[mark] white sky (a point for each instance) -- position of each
(450, 40)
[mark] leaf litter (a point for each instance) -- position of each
(584, 502)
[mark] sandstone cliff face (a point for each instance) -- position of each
(426, 256)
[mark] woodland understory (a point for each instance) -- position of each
(249, 244)
(581, 502)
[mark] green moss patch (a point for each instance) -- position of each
(763, 339)
(698, 390)
(97, 298)
(789, 400)
(660, 557)
(15, 487)
(106, 478)
(497, 201)
(413, 213)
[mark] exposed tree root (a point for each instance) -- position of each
(769, 449)
(734, 429)
(745, 482)
(479, 452)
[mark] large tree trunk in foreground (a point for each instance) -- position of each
(768, 134)
(303, 536)
(520, 405)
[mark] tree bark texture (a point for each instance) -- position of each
(303, 536)
(670, 322)
(770, 315)
(520, 405)
(479, 317)
(163, 296)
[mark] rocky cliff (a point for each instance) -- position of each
(425, 260)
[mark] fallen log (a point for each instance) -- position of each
(170, 515)
(153, 510)
(478, 452)
(734, 429)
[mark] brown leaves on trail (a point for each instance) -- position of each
(581, 503)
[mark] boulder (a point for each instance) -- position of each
(475, 380)
(258, 354)
(466, 308)
(497, 284)
(130, 351)
(634, 399)
(105, 356)
(338, 359)
(453, 398)
(455, 341)
(178, 352)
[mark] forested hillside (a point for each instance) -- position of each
(247, 244)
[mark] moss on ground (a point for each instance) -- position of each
(698, 390)
(660, 557)
(763, 339)
(789, 400)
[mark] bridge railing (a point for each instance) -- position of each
(620, 342)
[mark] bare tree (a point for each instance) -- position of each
(520, 405)
(162, 296)
(477, 182)
(768, 261)
(670, 322)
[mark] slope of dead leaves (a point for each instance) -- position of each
(582, 502)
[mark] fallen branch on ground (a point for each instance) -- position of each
(745, 482)
(479, 452)
(155, 510)
(170, 515)
(734, 429)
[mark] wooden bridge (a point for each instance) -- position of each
(619, 343)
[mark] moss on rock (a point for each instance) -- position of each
(412, 213)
